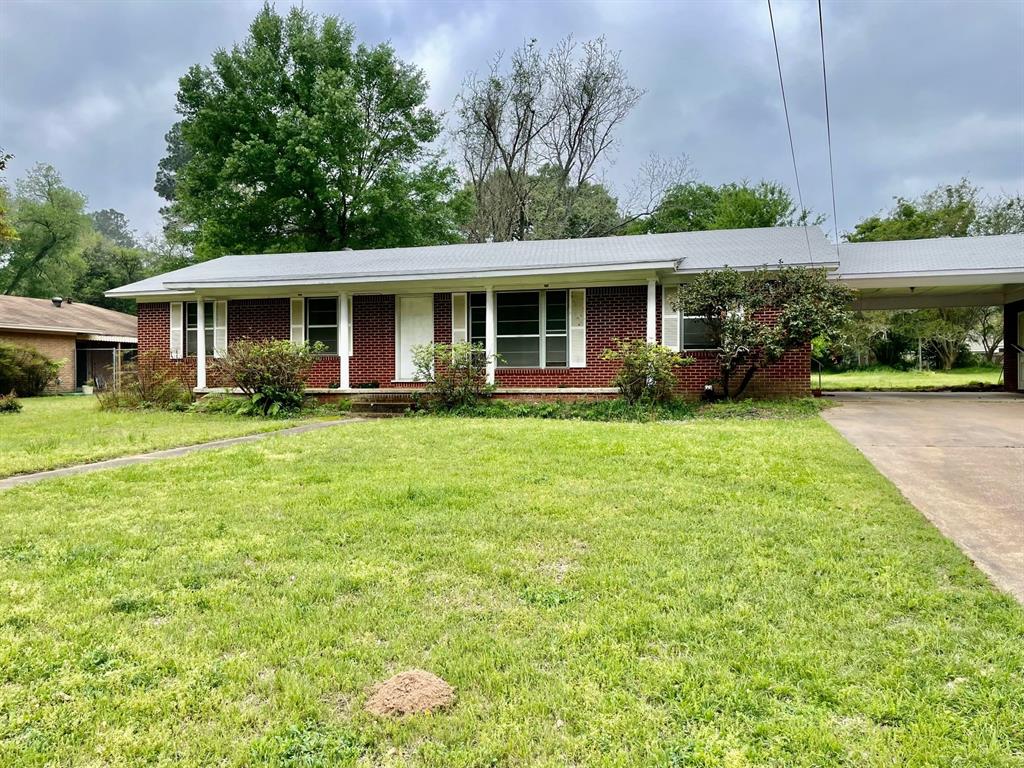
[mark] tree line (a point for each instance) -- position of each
(300, 138)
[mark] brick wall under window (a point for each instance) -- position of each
(612, 312)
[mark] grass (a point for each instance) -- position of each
(885, 378)
(55, 432)
(713, 592)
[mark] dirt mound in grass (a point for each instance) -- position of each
(409, 693)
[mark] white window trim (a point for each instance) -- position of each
(334, 326)
(670, 293)
(541, 328)
(208, 328)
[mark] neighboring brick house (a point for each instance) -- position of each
(87, 341)
(547, 309)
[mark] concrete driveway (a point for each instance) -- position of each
(959, 458)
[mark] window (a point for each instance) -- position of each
(322, 323)
(695, 333)
(192, 327)
(531, 329)
(478, 319)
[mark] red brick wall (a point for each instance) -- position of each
(614, 312)
(259, 319)
(373, 340)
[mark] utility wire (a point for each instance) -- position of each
(828, 129)
(789, 129)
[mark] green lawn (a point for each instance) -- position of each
(883, 378)
(59, 431)
(670, 594)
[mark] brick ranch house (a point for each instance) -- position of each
(89, 342)
(548, 309)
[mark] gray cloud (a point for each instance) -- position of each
(921, 93)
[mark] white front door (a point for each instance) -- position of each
(415, 326)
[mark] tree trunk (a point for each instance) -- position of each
(745, 381)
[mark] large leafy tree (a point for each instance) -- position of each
(108, 264)
(949, 210)
(50, 220)
(755, 317)
(697, 206)
(300, 140)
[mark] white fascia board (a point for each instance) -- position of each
(47, 329)
(936, 278)
(272, 280)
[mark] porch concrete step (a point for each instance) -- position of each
(380, 407)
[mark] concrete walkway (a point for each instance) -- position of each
(169, 453)
(959, 458)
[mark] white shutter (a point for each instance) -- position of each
(670, 317)
(458, 317)
(220, 328)
(578, 328)
(177, 331)
(351, 324)
(298, 321)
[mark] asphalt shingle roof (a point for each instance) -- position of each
(22, 313)
(992, 253)
(690, 251)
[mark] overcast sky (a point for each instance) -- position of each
(921, 92)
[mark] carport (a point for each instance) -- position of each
(945, 272)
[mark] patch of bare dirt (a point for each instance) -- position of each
(410, 693)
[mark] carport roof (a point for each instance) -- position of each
(987, 255)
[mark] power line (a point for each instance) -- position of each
(828, 128)
(789, 129)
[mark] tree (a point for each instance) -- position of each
(108, 265)
(7, 232)
(989, 330)
(114, 226)
(754, 318)
(50, 219)
(299, 140)
(697, 206)
(949, 210)
(557, 111)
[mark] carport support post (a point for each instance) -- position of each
(652, 317)
(200, 343)
(491, 338)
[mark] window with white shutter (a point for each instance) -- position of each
(670, 317)
(220, 328)
(177, 331)
(578, 328)
(298, 335)
(459, 314)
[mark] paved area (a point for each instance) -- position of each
(959, 458)
(169, 453)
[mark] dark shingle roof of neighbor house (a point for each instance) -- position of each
(19, 313)
(682, 251)
(988, 254)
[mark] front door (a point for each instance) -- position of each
(415, 327)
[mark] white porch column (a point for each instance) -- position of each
(652, 315)
(200, 343)
(343, 350)
(491, 339)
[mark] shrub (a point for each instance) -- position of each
(145, 383)
(647, 373)
(456, 374)
(9, 403)
(25, 370)
(272, 374)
